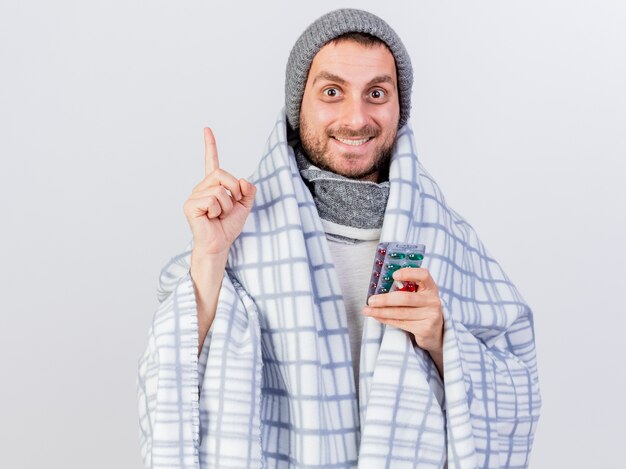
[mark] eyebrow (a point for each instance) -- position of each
(336, 78)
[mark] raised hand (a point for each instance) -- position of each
(218, 205)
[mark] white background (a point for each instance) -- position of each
(519, 113)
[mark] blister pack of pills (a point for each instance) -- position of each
(389, 258)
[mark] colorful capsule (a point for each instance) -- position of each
(396, 255)
(406, 286)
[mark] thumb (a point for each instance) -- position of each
(248, 190)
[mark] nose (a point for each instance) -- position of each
(354, 114)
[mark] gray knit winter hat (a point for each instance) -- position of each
(328, 27)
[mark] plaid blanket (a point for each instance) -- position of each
(274, 387)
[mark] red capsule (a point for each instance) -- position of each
(407, 286)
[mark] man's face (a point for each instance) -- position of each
(350, 109)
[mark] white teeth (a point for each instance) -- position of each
(353, 142)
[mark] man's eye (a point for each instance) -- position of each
(378, 94)
(331, 92)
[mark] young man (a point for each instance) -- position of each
(263, 352)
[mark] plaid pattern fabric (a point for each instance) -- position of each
(273, 386)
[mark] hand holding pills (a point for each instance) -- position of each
(412, 302)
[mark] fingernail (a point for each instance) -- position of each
(372, 300)
(367, 310)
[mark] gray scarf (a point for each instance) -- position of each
(342, 201)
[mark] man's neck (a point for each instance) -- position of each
(344, 201)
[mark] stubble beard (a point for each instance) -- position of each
(316, 150)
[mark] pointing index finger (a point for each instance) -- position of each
(211, 163)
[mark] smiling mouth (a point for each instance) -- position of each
(353, 142)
